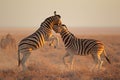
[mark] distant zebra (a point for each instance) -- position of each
(37, 39)
(8, 42)
(76, 46)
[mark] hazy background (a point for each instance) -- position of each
(90, 19)
(75, 13)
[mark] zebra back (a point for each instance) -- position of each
(38, 38)
(76, 45)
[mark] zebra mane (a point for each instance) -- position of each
(65, 27)
(72, 34)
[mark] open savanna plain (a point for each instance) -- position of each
(46, 63)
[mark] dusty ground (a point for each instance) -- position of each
(46, 63)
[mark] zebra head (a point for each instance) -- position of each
(60, 28)
(57, 20)
(51, 21)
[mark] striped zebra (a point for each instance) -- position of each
(37, 39)
(76, 46)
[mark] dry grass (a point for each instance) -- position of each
(46, 63)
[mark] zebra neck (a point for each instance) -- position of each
(45, 32)
(66, 36)
(64, 32)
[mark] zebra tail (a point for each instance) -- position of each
(106, 57)
(19, 61)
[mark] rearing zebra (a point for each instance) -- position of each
(76, 46)
(37, 39)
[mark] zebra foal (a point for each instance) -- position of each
(37, 39)
(76, 46)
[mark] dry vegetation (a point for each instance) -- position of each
(46, 63)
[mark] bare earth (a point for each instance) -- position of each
(46, 63)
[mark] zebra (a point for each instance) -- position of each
(76, 46)
(8, 41)
(37, 39)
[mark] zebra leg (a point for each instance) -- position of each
(95, 58)
(100, 62)
(71, 61)
(25, 57)
(52, 43)
(54, 40)
(66, 54)
(57, 42)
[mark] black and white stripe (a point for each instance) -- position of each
(37, 39)
(76, 46)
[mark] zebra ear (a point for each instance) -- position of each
(55, 13)
(64, 26)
